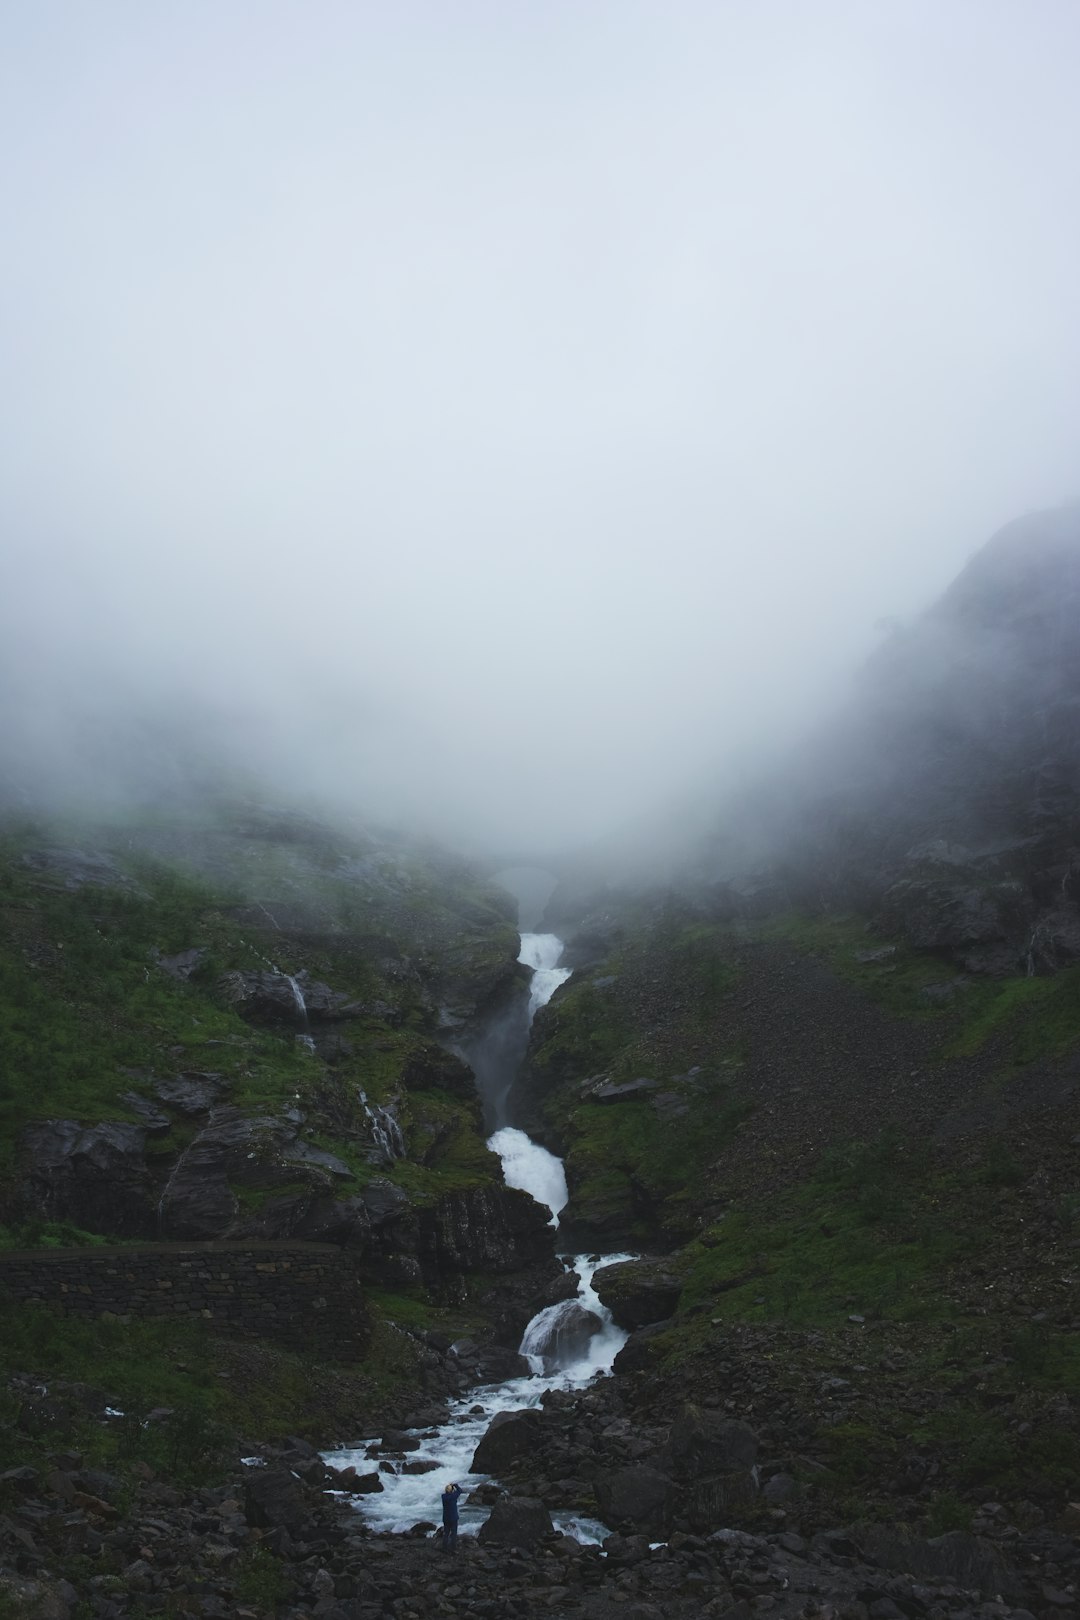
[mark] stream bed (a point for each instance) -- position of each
(406, 1499)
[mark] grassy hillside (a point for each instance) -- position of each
(90, 1020)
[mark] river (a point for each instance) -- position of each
(408, 1498)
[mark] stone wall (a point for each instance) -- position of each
(305, 1296)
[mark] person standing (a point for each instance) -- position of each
(450, 1517)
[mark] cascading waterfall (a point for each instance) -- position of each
(384, 1128)
(562, 1351)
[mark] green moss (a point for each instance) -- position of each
(1027, 1019)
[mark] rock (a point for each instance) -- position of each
(640, 1497)
(704, 1442)
(94, 1176)
(611, 1092)
(780, 1488)
(509, 1435)
(516, 1521)
(275, 1500)
(32, 1599)
(192, 1092)
(956, 909)
(152, 1120)
(277, 998)
(965, 1560)
(560, 1334)
(398, 1440)
(183, 964)
(638, 1292)
(236, 1150)
(635, 1353)
(493, 1229)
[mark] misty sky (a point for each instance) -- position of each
(506, 413)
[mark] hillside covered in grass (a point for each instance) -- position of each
(241, 1026)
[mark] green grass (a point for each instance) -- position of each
(872, 1232)
(82, 999)
(1028, 1018)
(622, 1151)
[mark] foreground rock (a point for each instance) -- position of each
(638, 1292)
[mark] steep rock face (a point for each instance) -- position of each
(92, 1176)
(496, 1229)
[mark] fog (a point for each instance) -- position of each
(510, 419)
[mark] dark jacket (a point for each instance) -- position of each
(450, 1504)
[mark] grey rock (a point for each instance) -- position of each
(702, 1442)
(516, 1521)
(94, 1176)
(194, 1091)
(274, 1499)
(611, 1092)
(638, 1292)
(183, 964)
(640, 1497)
(636, 1352)
(509, 1435)
(965, 1560)
(565, 1335)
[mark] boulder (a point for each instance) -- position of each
(94, 1176)
(195, 1091)
(560, 1334)
(509, 1435)
(636, 1352)
(704, 1443)
(183, 964)
(516, 1521)
(274, 1499)
(712, 1459)
(638, 1292)
(964, 1560)
(642, 1498)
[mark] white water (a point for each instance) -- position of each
(531, 1168)
(385, 1129)
(298, 995)
(408, 1498)
(541, 952)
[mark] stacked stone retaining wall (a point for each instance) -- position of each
(305, 1296)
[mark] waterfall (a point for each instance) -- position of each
(531, 1168)
(564, 1349)
(541, 952)
(385, 1129)
(298, 995)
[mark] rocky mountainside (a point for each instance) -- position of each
(238, 1026)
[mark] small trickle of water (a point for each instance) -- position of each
(298, 995)
(385, 1129)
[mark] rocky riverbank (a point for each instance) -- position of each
(277, 1539)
